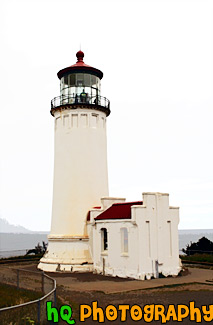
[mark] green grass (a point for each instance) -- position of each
(11, 296)
(22, 257)
(198, 258)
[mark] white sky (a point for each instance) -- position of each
(157, 59)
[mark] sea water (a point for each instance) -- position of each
(17, 244)
(193, 235)
(12, 244)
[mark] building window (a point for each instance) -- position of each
(104, 239)
(124, 240)
(170, 237)
(148, 238)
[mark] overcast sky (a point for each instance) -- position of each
(157, 60)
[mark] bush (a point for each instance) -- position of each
(39, 249)
(203, 246)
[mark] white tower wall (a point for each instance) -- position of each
(80, 171)
(80, 180)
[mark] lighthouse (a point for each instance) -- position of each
(91, 231)
(80, 165)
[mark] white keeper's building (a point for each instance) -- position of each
(91, 231)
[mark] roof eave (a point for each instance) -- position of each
(80, 69)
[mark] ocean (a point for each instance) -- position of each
(193, 235)
(12, 244)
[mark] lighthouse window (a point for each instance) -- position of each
(76, 83)
(87, 80)
(72, 80)
(80, 78)
(80, 83)
(93, 81)
(104, 240)
(62, 83)
(66, 80)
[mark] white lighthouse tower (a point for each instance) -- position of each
(80, 165)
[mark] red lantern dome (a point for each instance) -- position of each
(80, 67)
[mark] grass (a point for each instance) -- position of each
(21, 258)
(25, 315)
(208, 258)
(11, 296)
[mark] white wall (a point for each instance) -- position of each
(152, 241)
(80, 180)
(80, 170)
(117, 263)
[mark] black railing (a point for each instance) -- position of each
(80, 99)
(32, 312)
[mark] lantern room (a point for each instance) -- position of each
(74, 84)
(80, 84)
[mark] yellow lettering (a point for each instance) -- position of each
(171, 313)
(123, 309)
(97, 312)
(136, 312)
(208, 317)
(194, 311)
(83, 314)
(159, 311)
(148, 313)
(111, 313)
(183, 315)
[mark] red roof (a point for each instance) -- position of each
(118, 211)
(80, 66)
(88, 214)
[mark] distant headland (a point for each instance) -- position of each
(6, 227)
